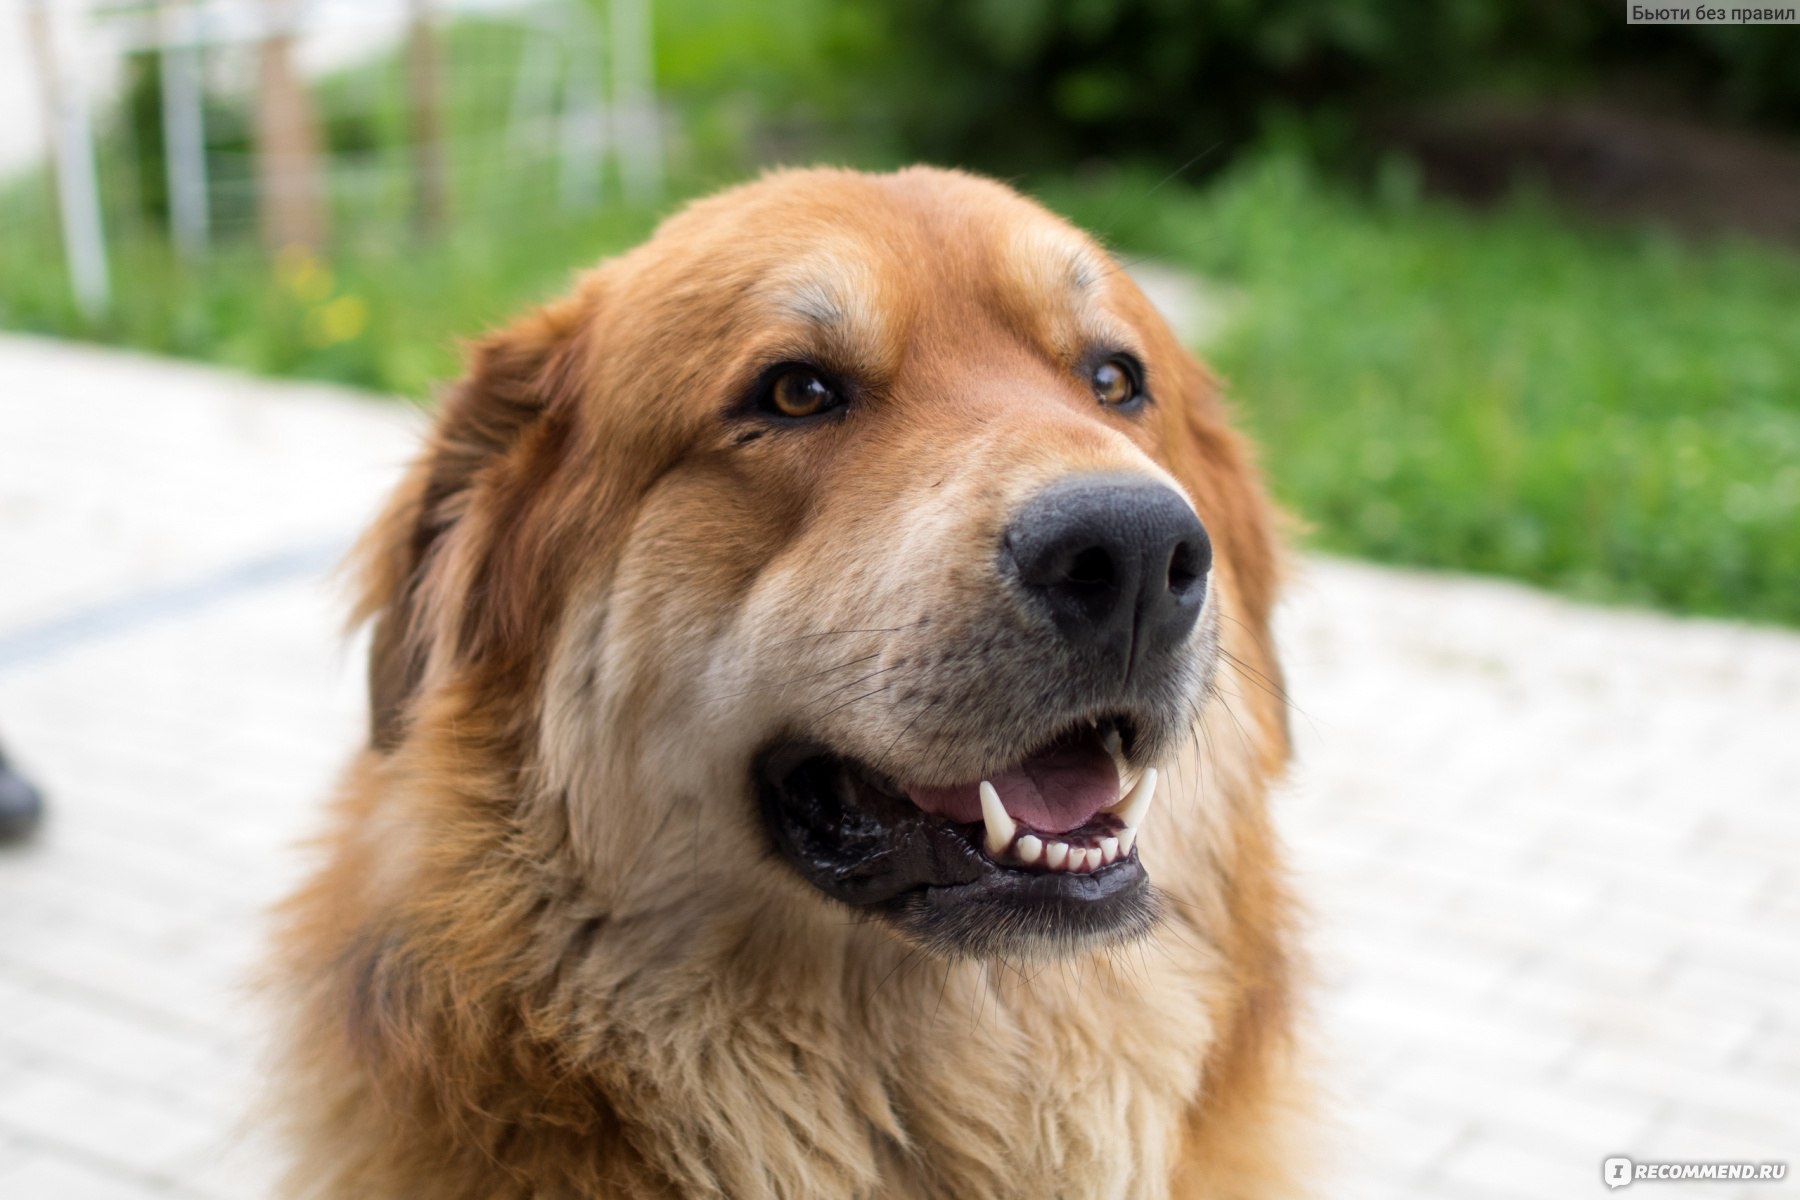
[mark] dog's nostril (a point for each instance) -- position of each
(1091, 566)
(1186, 566)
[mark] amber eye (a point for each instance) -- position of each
(1115, 383)
(801, 392)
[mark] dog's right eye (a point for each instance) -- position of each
(800, 392)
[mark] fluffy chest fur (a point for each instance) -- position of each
(850, 1074)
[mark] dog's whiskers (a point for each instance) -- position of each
(1224, 700)
(908, 728)
(794, 679)
(809, 637)
(907, 958)
(1108, 218)
(856, 699)
(1251, 674)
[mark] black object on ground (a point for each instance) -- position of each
(21, 804)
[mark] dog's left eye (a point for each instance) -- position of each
(1116, 382)
(800, 392)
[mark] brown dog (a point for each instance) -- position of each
(822, 709)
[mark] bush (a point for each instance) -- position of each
(1017, 83)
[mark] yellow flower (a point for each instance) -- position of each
(339, 321)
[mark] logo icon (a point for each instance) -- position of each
(1616, 1172)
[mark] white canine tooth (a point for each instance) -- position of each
(1109, 849)
(1056, 854)
(1030, 849)
(1127, 839)
(1135, 806)
(1110, 741)
(1000, 827)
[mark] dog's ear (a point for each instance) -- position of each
(515, 378)
(1216, 466)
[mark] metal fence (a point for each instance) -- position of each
(302, 122)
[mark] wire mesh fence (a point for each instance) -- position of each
(338, 127)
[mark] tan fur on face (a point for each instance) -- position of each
(550, 953)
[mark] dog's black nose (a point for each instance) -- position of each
(1119, 561)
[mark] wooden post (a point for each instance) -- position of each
(425, 81)
(184, 129)
(290, 186)
(72, 152)
(637, 141)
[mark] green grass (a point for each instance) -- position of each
(390, 315)
(1613, 415)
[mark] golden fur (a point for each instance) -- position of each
(548, 953)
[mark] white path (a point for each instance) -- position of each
(1552, 853)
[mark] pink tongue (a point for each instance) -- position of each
(1053, 792)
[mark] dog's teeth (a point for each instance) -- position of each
(1029, 849)
(1000, 827)
(1134, 809)
(1109, 849)
(1136, 805)
(1056, 854)
(1110, 740)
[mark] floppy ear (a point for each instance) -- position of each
(514, 379)
(1217, 466)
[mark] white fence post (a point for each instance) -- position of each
(184, 128)
(583, 123)
(637, 140)
(72, 151)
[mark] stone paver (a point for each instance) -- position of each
(1551, 854)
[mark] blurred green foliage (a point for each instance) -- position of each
(1016, 83)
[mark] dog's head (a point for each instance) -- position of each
(857, 541)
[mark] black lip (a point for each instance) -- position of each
(853, 835)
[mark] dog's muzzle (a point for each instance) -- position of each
(1039, 851)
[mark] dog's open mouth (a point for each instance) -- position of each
(1040, 850)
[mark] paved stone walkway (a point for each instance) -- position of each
(1552, 853)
